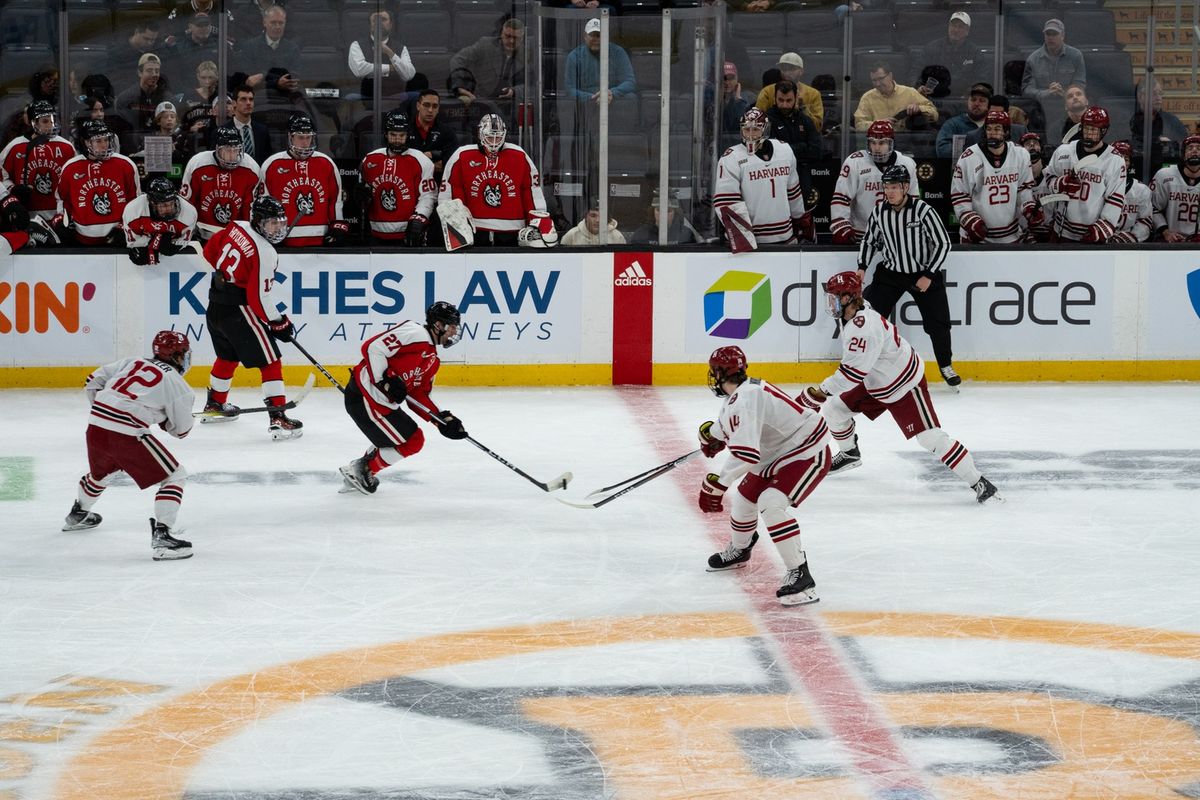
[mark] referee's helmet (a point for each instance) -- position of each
(896, 174)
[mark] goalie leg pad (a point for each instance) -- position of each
(736, 220)
(458, 229)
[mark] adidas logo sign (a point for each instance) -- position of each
(633, 275)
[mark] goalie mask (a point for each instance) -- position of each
(173, 348)
(443, 322)
(755, 129)
(228, 148)
(1093, 126)
(841, 285)
(726, 365)
(99, 143)
(395, 126)
(302, 137)
(269, 219)
(163, 199)
(1001, 119)
(43, 119)
(881, 140)
(492, 133)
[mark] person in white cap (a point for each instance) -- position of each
(583, 68)
(955, 52)
(1049, 70)
(791, 68)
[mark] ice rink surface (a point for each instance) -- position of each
(462, 635)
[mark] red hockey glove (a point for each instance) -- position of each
(1034, 215)
(282, 329)
(973, 226)
(843, 234)
(337, 232)
(451, 427)
(812, 397)
(709, 444)
(1069, 183)
(805, 230)
(711, 492)
(1098, 232)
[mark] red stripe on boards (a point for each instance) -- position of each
(633, 318)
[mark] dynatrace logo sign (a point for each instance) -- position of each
(1193, 284)
(737, 305)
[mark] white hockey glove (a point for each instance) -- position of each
(538, 232)
(458, 229)
(736, 219)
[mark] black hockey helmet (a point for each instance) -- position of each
(440, 317)
(225, 139)
(396, 122)
(90, 134)
(269, 219)
(301, 125)
(173, 348)
(39, 110)
(896, 174)
(163, 198)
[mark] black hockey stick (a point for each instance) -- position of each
(317, 364)
(637, 480)
(669, 465)
(296, 400)
(548, 486)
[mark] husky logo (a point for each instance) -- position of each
(492, 195)
(102, 204)
(387, 199)
(223, 213)
(304, 204)
(43, 183)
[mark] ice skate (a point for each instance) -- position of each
(951, 377)
(218, 412)
(798, 588)
(80, 520)
(284, 427)
(985, 491)
(731, 557)
(358, 477)
(165, 546)
(846, 460)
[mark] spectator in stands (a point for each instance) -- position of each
(493, 68)
(1075, 102)
(181, 14)
(956, 53)
(791, 68)
(397, 68)
(734, 102)
(999, 102)
(142, 40)
(583, 68)
(256, 140)
(198, 45)
(587, 232)
(791, 125)
(907, 107)
(1166, 128)
(429, 134)
(206, 86)
(965, 123)
(751, 6)
(613, 6)
(43, 86)
(166, 123)
(138, 103)
(267, 59)
(97, 107)
(1050, 70)
(679, 230)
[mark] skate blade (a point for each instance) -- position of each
(350, 485)
(846, 467)
(205, 419)
(81, 526)
(742, 565)
(281, 435)
(172, 555)
(995, 499)
(800, 598)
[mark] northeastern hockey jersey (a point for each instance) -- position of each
(876, 356)
(407, 352)
(38, 170)
(998, 194)
(140, 226)
(248, 261)
(499, 192)
(94, 194)
(309, 187)
(1137, 219)
(400, 186)
(770, 189)
(220, 196)
(130, 395)
(1100, 200)
(859, 188)
(766, 430)
(1176, 201)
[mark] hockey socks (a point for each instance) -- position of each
(951, 453)
(89, 491)
(220, 378)
(273, 390)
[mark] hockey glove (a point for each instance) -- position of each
(843, 234)
(337, 232)
(414, 236)
(282, 329)
(13, 214)
(973, 226)
(140, 256)
(393, 387)
(812, 397)
(709, 444)
(1069, 183)
(40, 233)
(805, 230)
(153, 249)
(1122, 237)
(24, 193)
(168, 247)
(451, 427)
(1034, 215)
(1098, 232)
(711, 492)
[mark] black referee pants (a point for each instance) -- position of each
(888, 286)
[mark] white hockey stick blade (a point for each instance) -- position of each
(1087, 161)
(1050, 199)
(575, 504)
(560, 482)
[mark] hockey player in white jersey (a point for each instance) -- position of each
(880, 371)
(1137, 220)
(1092, 177)
(1175, 192)
(758, 188)
(859, 185)
(127, 397)
(992, 187)
(778, 454)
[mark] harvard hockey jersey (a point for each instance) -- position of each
(770, 189)
(997, 194)
(130, 395)
(860, 187)
(1137, 219)
(1176, 201)
(1101, 199)
(876, 356)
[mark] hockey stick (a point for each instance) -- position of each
(317, 364)
(549, 486)
(637, 480)
(296, 400)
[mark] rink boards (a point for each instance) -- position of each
(566, 317)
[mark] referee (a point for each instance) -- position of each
(909, 237)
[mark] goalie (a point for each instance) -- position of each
(491, 194)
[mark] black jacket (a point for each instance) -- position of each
(798, 130)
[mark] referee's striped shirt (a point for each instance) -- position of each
(912, 240)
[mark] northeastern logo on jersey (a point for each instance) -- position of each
(102, 203)
(304, 203)
(492, 195)
(387, 199)
(223, 213)
(43, 183)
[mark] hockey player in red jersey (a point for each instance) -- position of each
(308, 185)
(880, 371)
(17, 228)
(35, 162)
(96, 186)
(399, 365)
(127, 397)
(398, 185)
(778, 454)
(243, 316)
(220, 183)
(158, 223)
(494, 187)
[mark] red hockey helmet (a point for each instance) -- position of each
(173, 347)
(883, 134)
(847, 283)
(1124, 149)
(999, 118)
(726, 364)
(755, 128)
(1095, 117)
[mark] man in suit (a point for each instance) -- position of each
(256, 141)
(257, 55)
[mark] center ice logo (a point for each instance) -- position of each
(1193, 285)
(737, 305)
